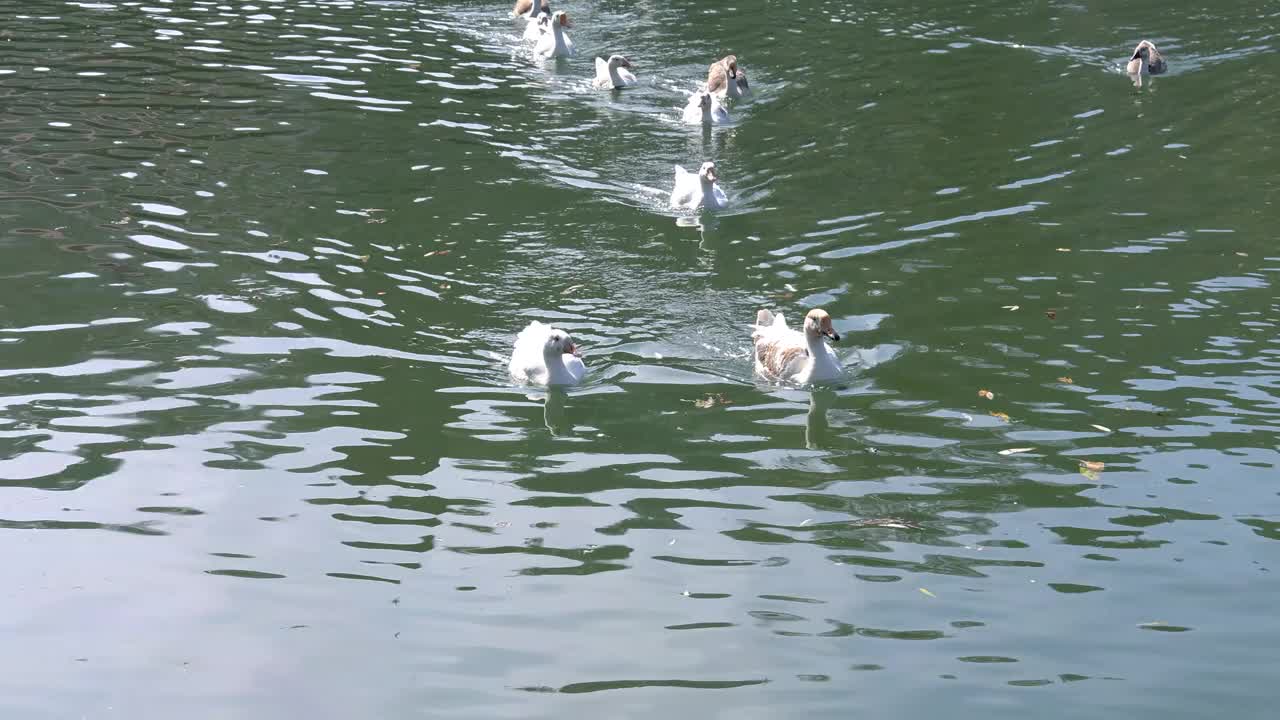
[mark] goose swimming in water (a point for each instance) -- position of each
(537, 27)
(792, 356)
(538, 17)
(726, 79)
(544, 355)
(527, 9)
(614, 72)
(1146, 58)
(700, 190)
(556, 43)
(705, 109)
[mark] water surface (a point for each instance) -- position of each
(259, 456)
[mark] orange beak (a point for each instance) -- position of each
(573, 350)
(564, 21)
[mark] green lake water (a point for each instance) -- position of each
(261, 265)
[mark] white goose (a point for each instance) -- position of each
(798, 357)
(556, 43)
(614, 72)
(539, 24)
(544, 355)
(694, 191)
(705, 109)
(725, 79)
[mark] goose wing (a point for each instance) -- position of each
(684, 190)
(526, 354)
(779, 352)
(717, 77)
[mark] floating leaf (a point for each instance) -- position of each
(1066, 380)
(1064, 249)
(1051, 314)
(1000, 415)
(1010, 307)
(926, 592)
(363, 258)
(572, 289)
(711, 400)
(986, 394)
(1091, 469)
(1102, 428)
(1016, 451)
(376, 221)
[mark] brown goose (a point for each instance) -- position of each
(726, 79)
(523, 8)
(1146, 58)
(799, 357)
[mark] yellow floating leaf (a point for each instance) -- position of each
(1092, 465)
(1016, 451)
(926, 592)
(1066, 380)
(1010, 307)
(1000, 415)
(711, 400)
(1064, 249)
(1101, 428)
(986, 394)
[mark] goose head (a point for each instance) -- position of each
(618, 61)
(1145, 51)
(707, 173)
(559, 343)
(740, 77)
(817, 324)
(730, 63)
(560, 19)
(704, 102)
